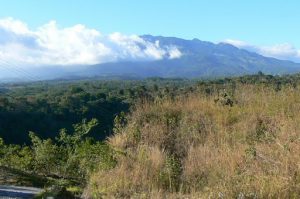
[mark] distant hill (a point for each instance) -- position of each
(199, 59)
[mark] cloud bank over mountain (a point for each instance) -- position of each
(51, 44)
(283, 51)
(51, 51)
(76, 45)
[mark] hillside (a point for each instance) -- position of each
(60, 104)
(242, 143)
(237, 137)
(199, 59)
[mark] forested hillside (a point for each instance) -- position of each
(47, 107)
(164, 138)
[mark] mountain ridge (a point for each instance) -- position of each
(199, 59)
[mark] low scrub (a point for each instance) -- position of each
(198, 147)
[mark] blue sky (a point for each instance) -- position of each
(261, 22)
(80, 32)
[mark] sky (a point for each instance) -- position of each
(48, 32)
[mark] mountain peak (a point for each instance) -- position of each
(199, 59)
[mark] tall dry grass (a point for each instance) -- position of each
(195, 147)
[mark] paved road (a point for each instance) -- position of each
(7, 192)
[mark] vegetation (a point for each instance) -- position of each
(231, 138)
(63, 163)
(64, 158)
(197, 146)
(47, 107)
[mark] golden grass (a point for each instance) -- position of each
(193, 147)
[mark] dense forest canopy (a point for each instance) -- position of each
(46, 107)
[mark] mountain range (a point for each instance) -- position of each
(199, 59)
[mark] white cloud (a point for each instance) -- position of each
(174, 53)
(14, 26)
(283, 51)
(76, 45)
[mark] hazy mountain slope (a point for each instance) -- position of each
(199, 59)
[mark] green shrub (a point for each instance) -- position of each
(170, 176)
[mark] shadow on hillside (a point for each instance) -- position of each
(46, 121)
(10, 176)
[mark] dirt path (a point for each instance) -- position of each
(18, 192)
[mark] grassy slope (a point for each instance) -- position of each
(197, 148)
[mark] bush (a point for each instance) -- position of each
(192, 147)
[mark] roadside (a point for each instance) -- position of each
(18, 192)
(9, 176)
(18, 184)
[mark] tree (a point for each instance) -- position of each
(45, 154)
